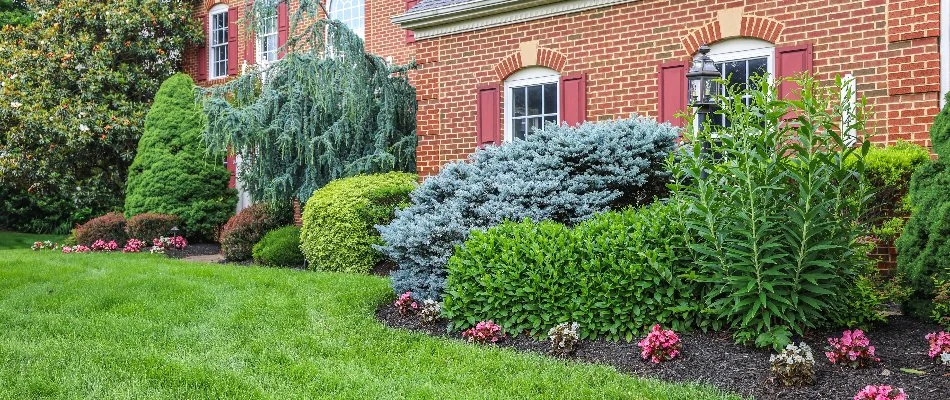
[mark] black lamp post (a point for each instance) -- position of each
(703, 84)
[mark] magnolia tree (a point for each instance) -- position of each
(326, 110)
(74, 88)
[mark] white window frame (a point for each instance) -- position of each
(220, 9)
(262, 37)
(740, 49)
(528, 77)
(331, 9)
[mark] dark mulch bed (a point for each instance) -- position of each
(197, 249)
(714, 359)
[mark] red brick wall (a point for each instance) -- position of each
(889, 46)
(383, 38)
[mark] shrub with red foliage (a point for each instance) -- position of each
(148, 226)
(109, 227)
(245, 229)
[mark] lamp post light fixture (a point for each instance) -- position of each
(703, 81)
(174, 231)
(702, 88)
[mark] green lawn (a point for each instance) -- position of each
(10, 240)
(142, 326)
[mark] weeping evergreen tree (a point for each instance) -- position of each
(326, 110)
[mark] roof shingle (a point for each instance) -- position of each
(432, 4)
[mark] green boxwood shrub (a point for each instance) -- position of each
(339, 220)
(245, 229)
(280, 248)
(616, 274)
(111, 226)
(924, 247)
(149, 226)
(172, 173)
(888, 170)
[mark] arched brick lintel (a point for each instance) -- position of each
(542, 57)
(751, 26)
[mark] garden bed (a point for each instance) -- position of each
(197, 249)
(714, 359)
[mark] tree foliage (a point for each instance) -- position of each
(327, 110)
(172, 173)
(924, 247)
(14, 12)
(74, 89)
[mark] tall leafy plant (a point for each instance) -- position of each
(775, 207)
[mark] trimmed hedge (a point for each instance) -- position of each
(924, 247)
(616, 275)
(172, 172)
(245, 229)
(280, 248)
(149, 226)
(562, 174)
(111, 226)
(888, 169)
(339, 220)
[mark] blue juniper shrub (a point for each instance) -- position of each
(561, 174)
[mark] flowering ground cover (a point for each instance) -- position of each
(114, 325)
(715, 359)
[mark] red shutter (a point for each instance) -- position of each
(410, 36)
(283, 27)
(574, 99)
(233, 41)
(672, 92)
(789, 62)
(488, 120)
(250, 50)
(203, 51)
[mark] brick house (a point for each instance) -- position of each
(493, 69)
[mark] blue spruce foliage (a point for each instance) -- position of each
(562, 174)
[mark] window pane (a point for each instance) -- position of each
(758, 67)
(518, 102)
(519, 128)
(550, 98)
(550, 119)
(534, 100)
(735, 74)
(534, 123)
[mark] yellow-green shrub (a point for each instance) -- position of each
(339, 220)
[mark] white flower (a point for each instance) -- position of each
(83, 128)
(15, 104)
(945, 358)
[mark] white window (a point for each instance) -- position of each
(739, 60)
(349, 12)
(218, 42)
(531, 101)
(267, 33)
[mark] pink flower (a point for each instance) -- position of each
(880, 393)
(406, 304)
(484, 332)
(67, 249)
(853, 348)
(660, 345)
(939, 343)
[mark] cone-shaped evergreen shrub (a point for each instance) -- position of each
(924, 247)
(172, 173)
(562, 174)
